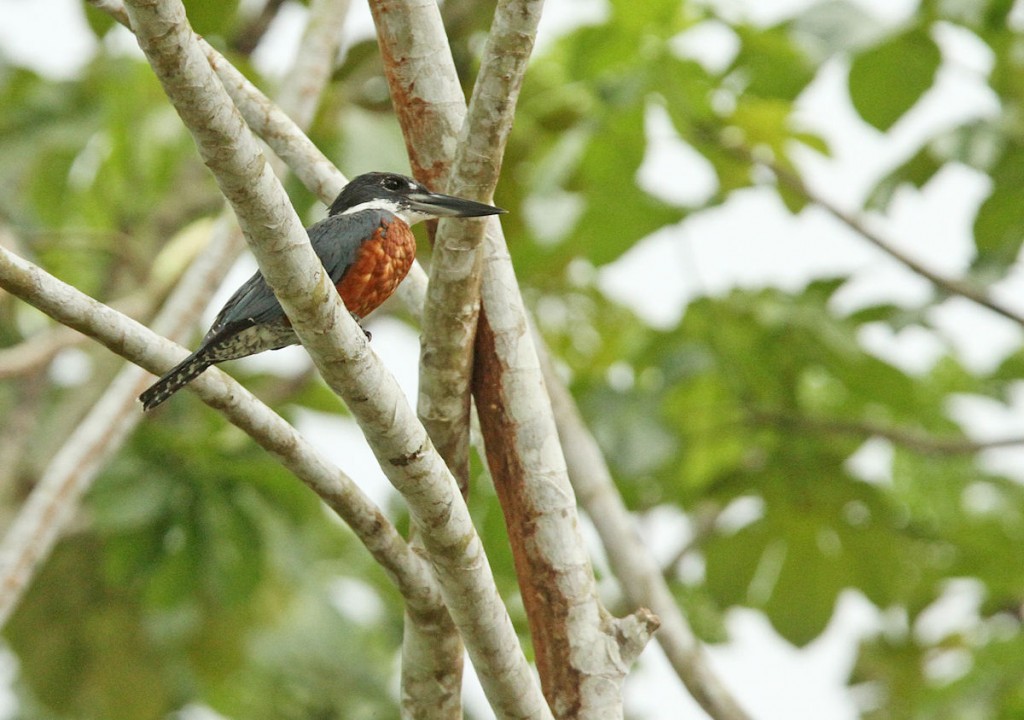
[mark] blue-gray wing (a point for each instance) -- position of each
(336, 240)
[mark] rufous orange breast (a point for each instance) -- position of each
(381, 264)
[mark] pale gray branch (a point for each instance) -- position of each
(340, 352)
(138, 344)
(432, 657)
(311, 71)
(39, 349)
(54, 500)
(577, 653)
(453, 295)
(857, 223)
(453, 299)
(631, 561)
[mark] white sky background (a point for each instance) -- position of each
(751, 241)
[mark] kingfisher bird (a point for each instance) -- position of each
(366, 246)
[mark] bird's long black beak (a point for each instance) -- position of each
(440, 205)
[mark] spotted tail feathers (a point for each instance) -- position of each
(178, 377)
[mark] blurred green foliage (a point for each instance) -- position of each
(200, 573)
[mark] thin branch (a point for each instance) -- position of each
(318, 51)
(55, 498)
(636, 569)
(249, 37)
(36, 351)
(39, 349)
(340, 351)
(856, 223)
(140, 345)
(277, 129)
(432, 659)
(914, 440)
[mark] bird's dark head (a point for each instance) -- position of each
(404, 197)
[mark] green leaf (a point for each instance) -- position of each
(211, 18)
(770, 64)
(888, 79)
(895, 316)
(99, 22)
(916, 171)
(999, 224)
(82, 649)
(617, 213)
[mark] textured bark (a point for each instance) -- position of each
(546, 609)
(340, 352)
(432, 654)
(425, 89)
(453, 295)
(576, 642)
(574, 638)
(449, 318)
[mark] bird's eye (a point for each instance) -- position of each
(392, 183)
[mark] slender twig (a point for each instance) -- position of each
(39, 349)
(914, 440)
(311, 71)
(340, 351)
(145, 348)
(857, 223)
(638, 573)
(248, 38)
(36, 351)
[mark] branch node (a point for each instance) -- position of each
(633, 632)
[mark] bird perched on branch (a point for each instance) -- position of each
(366, 246)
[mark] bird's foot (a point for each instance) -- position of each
(367, 333)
